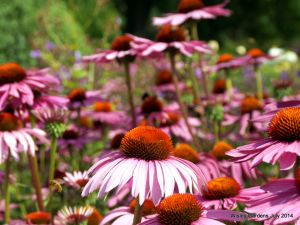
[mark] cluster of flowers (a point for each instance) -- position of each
(162, 162)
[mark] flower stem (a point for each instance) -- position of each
(138, 211)
(130, 95)
(195, 86)
(53, 148)
(181, 106)
(259, 84)
(6, 190)
(36, 180)
(217, 131)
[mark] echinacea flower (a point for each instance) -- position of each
(192, 10)
(104, 113)
(186, 209)
(228, 61)
(257, 56)
(172, 39)
(124, 215)
(164, 82)
(38, 218)
(221, 193)
(281, 145)
(78, 97)
(42, 100)
(121, 49)
(15, 138)
(17, 86)
(95, 218)
(238, 171)
(281, 197)
(77, 179)
(73, 215)
(145, 159)
(207, 164)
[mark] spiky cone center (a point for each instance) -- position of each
(220, 188)
(219, 86)
(55, 129)
(86, 122)
(151, 104)
(164, 77)
(147, 143)
(225, 58)
(116, 141)
(172, 119)
(185, 151)
(122, 43)
(219, 150)
(148, 207)
(297, 177)
(38, 218)
(103, 107)
(77, 95)
(179, 209)
(250, 104)
(95, 218)
(9, 122)
(70, 135)
(82, 182)
(186, 6)
(255, 53)
(169, 33)
(11, 73)
(285, 125)
(76, 218)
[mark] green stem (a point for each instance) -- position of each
(204, 77)
(180, 103)
(130, 95)
(6, 190)
(217, 131)
(53, 148)
(194, 31)
(36, 180)
(195, 86)
(259, 84)
(138, 211)
(229, 85)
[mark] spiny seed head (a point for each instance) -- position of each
(95, 218)
(148, 207)
(172, 119)
(219, 150)
(169, 33)
(147, 143)
(186, 6)
(121, 43)
(11, 73)
(55, 129)
(38, 218)
(250, 104)
(103, 107)
(164, 77)
(255, 53)
(285, 125)
(179, 209)
(185, 151)
(220, 188)
(151, 104)
(219, 86)
(225, 58)
(9, 122)
(77, 95)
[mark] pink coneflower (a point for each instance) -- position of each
(121, 48)
(164, 82)
(282, 145)
(192, 10)
(124, 215)
(104, 112)
(16, 138)
(172, 39)
(221, 193)
(227, 61)
(48, 101)
(38, 218)
(186, 209)
(73, 215)
(257, 56)
(207, 164)
(238, 171)
(17, 85)
(281, 197)
(78, 97)
(145, 159)
(77, 179)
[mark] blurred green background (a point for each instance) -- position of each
(84, 25)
